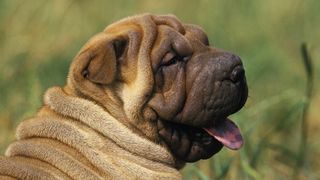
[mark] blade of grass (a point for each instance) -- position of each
(303, 148)
(201, 175)
(223, 168)
(194, 172)
(247, 168)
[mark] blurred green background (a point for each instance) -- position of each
(39, 38)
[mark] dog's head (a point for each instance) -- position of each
(161, 78)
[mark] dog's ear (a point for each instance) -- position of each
(102, 64)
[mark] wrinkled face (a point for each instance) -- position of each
(196, 87)
(161, 78)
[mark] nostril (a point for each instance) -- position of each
(237, 74)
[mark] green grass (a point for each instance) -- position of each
(277, 40)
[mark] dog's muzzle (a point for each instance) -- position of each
(215, 87)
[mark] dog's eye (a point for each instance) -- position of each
(170, 59)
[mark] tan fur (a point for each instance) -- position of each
(84, 131)
(78, 139)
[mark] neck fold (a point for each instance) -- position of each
(95, 117)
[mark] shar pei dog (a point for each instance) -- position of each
(142, 98)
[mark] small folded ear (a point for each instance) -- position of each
(102, 66)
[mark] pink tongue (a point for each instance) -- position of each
(227, 133)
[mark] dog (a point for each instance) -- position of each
(142, 98)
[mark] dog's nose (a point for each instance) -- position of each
(237, 74)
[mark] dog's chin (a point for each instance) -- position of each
(187, 143)
(190, 144)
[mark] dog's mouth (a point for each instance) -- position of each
(190, 143)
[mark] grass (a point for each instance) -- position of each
(303, 149)
(280, 121)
